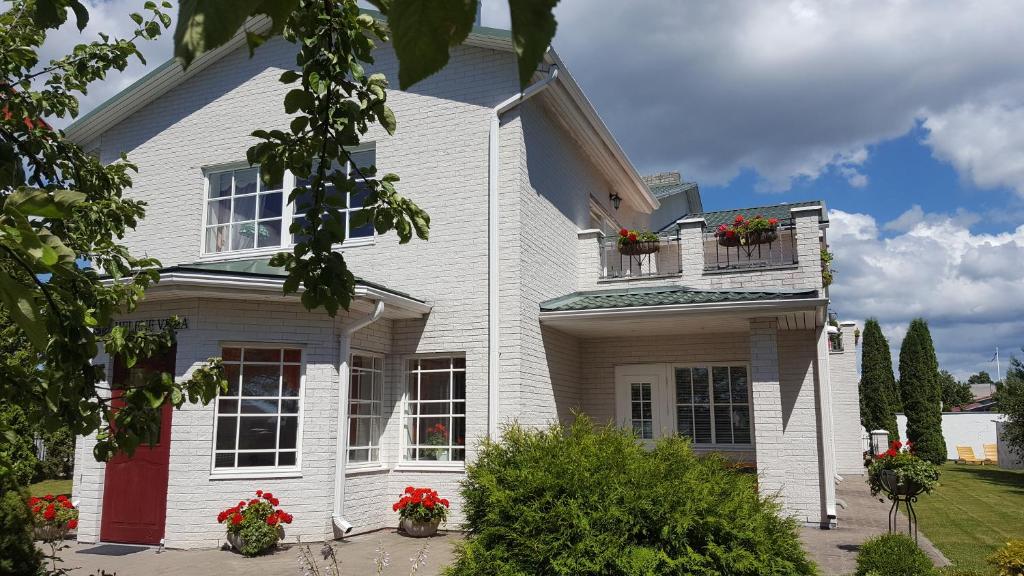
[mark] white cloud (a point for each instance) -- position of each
(970, 287)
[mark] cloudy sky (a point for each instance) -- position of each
(906, 117)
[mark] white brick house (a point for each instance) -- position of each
(518, 308)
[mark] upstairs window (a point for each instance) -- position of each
(242, 213)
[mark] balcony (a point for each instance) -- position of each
(665, 261)
(781, 251)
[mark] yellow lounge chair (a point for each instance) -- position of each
(965, 455)
(991, 454)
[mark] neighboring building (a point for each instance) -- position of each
(448, 339)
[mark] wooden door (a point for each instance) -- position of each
(135, 488)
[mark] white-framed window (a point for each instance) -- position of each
(243, 214)
(434, 417)
(258, 420)
(709, 403)
(365, 420)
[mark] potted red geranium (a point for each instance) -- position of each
(53, 517)
(421, 511)
(255, 526)
(637, 242)
(748, 232)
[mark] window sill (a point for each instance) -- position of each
(431, 467)
(724, 447)
(255, 474)
(366, 469)
(255, 252)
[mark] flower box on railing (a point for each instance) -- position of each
(744, 232)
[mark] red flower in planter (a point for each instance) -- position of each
(259, 493)
(48, 497)
(222, 517)
(632, 236)
(272, 520)
(73, 523)
(739, 218)
(33, 501)
(773, 221)
(623, 232)
(50, 512)
(236, 519)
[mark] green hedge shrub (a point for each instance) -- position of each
(580, 500)
(893, 555)
(1009, 560)
(18, 554)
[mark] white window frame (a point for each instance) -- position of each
(404, 463)
(294, 471)
(663, 382)
(288, 214)
(372, 463)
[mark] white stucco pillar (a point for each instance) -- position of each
(767, 397)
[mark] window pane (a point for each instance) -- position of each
(364, 158)
(684, 393)
(269, 234)
(684, 420)
(360, 361)
(224, 460)
(255, 459)
(361, 432)
(242, 236)
(458, 385)
(259, 406)
(723, 425)
(218, 211)
(435, 363)
(286, 459)
(433, 431)
(231, 354)
(294, 356)
(233, 374)
(459, 431)
(226, 432)
(291, 380)
(220, 185)
(360, 230)
(289, 406)
(244, 209)
(435, 408)
(270, 205)
(359, 455)
(217, 239)
(435, 385)
(257, 433)
(245, 181)
(701, 394)
(720, 379)
(272, 185)
(702, 424)
(260, 380)
(459, 363)
(227, 407)
(289, 431)
(262, 355)
(739, 384)
(741, 424)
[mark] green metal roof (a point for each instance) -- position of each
(663, 190)
(664, 296)
(260, 267)
(780, 211)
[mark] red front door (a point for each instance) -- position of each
(135, 488)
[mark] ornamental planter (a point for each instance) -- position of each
(418, 529)
(639, 248)
(892, 485)
(50, 532)
(237, 542)
(749, 239)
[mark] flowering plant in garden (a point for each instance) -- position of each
(57, 513)
(744, 230)
(909, 469)
(257, 523)
(422, 505)
(628, 237)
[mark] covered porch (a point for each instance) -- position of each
(741, 373)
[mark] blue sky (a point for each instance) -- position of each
(905, 116)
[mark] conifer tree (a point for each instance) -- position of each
(921, 393)
(879, 398)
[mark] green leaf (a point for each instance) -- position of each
(296, 99)
(533, 27)
(20, 303)
(37, 202)
(81, 14)
(423, 31)
(387, 118)
(203, 25)
(289, 76)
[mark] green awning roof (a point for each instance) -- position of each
(261, 268)
(664, 296)
(780, 211)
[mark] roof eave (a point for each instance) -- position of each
(749, 306)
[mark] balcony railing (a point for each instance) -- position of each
(664, 262)
(781, 251)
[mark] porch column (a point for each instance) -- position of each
(767, 398)
(826, 436)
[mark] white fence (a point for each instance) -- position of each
(974, 429)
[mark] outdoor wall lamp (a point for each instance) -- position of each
(616, 200)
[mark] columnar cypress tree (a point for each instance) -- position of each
(879, 398)
(921, 393)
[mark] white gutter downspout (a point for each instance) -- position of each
(341, 457)
(493, 272)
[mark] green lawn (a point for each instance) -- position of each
(54, 487)
(973, 511)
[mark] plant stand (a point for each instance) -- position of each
(898, 492)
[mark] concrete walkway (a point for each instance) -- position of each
(356, 555)
(865, 516)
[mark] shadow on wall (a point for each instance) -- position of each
(563, 371)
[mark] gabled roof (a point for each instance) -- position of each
(573, 107)
(663, 190)
(781, 211)
(666, 296)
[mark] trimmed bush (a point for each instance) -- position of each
(893, 555)
(579, 500)
(1009, 560)
(879, 396)
(18, 554)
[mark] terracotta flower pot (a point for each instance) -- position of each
(418, 529)
(638, 248)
